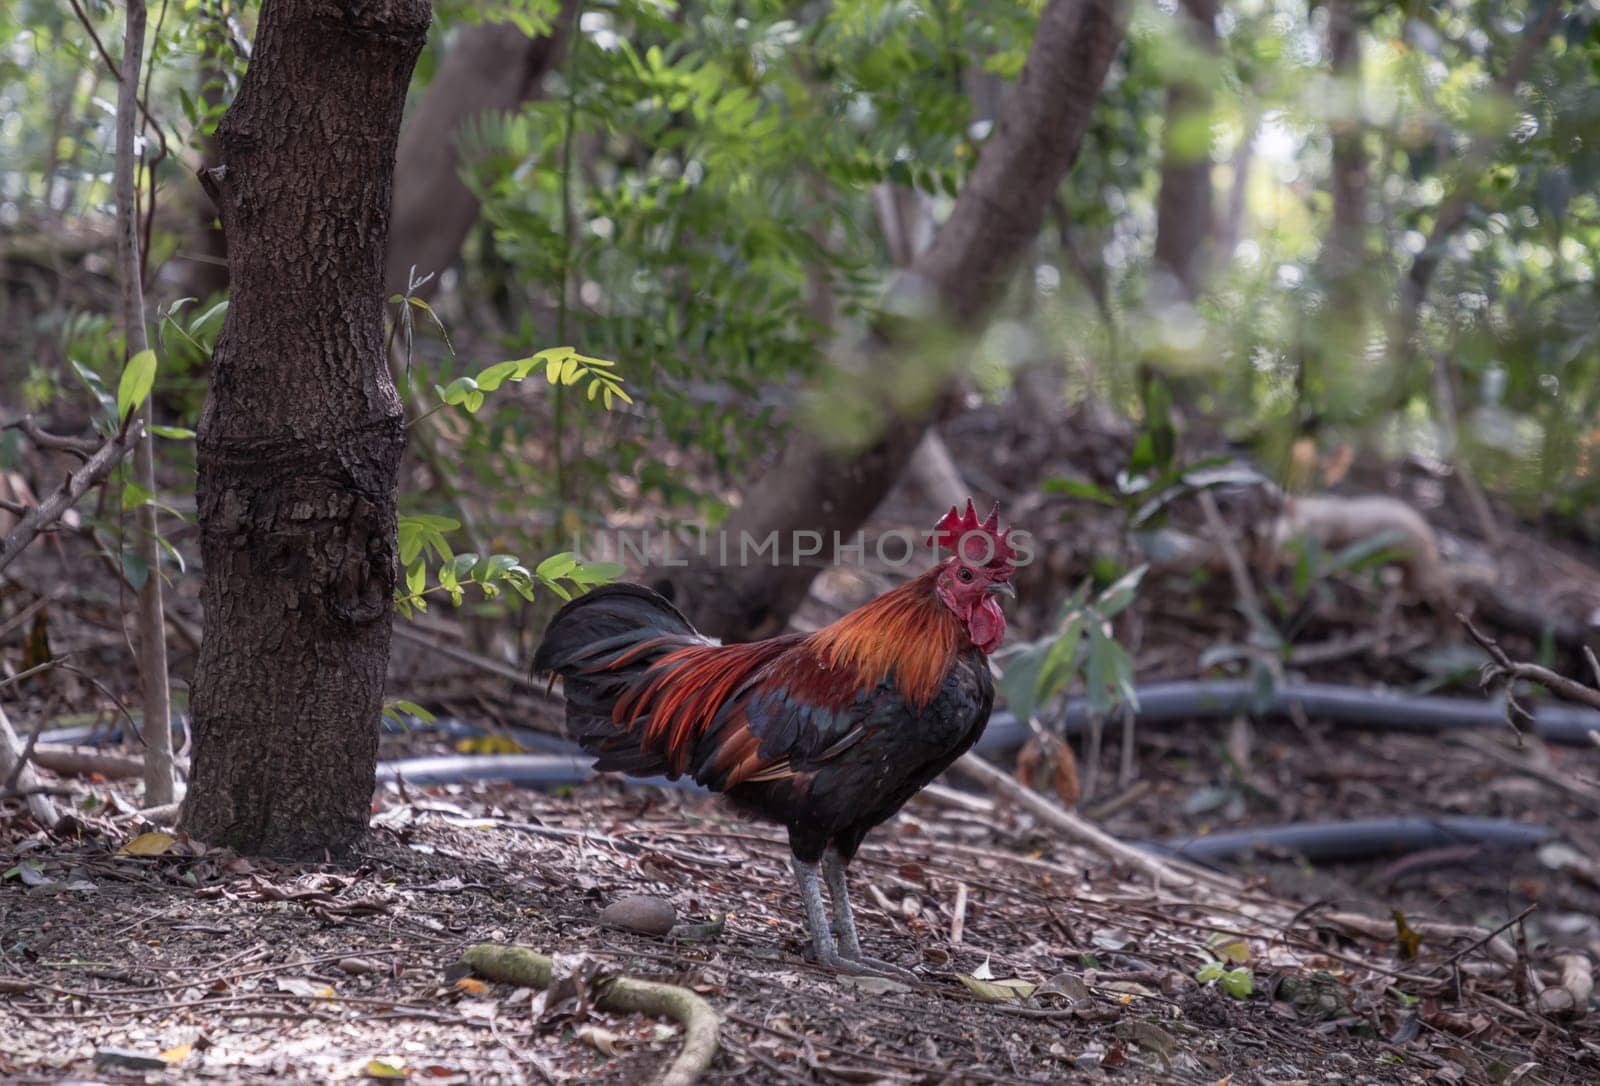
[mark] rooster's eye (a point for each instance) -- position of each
(965, 574)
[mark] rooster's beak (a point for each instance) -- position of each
(1002, 588)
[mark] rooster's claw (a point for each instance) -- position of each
(866, 967)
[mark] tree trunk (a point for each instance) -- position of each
(1185, 217)
(1344, 258)
(301, 437)
(488, 67)
(815, 486)
(1334, 380)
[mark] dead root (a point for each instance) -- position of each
(529, 969)
(1570, 998)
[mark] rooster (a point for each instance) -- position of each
(827, 733)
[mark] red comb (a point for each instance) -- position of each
(961, 534)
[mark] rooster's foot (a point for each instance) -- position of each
(864, 966)
(875, 967)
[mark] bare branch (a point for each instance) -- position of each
(81, 447)
(39, 804)
(65, 496)
(1502, 668)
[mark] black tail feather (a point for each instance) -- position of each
(584, 643)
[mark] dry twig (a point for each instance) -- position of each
(1162, 871)
(1502, 668)
(94, 471)
(13, 765)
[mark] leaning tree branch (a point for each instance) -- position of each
(44, 515)
(527, 969)
(816, 486)
(486, 69)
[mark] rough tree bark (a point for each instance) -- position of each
(1185, 213)
(816, 487)
(489, 67)
(301, 436)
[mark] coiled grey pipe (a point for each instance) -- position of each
(1379, 710)
(1188, 699)
(1361, 839)
(1317, 842)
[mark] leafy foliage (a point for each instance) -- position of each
(422, 537)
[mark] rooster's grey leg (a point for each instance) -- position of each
(822, 935)
(833, 867)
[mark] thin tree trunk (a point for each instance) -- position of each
(1185, 216)
(1344, 258)
(818, 487)
(151, 637)
(486, 68)
(301, 436)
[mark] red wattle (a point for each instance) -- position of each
(987, 625)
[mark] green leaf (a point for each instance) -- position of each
(1208, 972)
(556, 566)
(1080, 489)
(138, 376)
(410, 542)
(205, 318)
(1238, 983)
(457, 391)
(461, 565)
(493, 568)
(172, 433)
(496, 375)
(134, 495)
(177, 556)
(91, 381)
(1118, 595)
(593, 573)
(1019, 682)
(413, 709)
(1056, 673)
(430, 520)
(135, 569)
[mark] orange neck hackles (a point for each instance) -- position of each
(907, 631)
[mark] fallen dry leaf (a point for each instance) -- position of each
(148, 844)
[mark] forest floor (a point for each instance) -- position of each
(1396, 969)
(248, 970)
